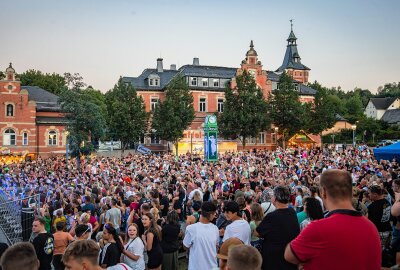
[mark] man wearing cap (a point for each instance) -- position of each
(202, 238)
(239, 227)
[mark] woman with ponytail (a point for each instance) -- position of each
(151, 239)
(111, 253)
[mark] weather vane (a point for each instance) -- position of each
(291, 24)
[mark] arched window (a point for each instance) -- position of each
(9, 137)
(52, 138)
(10, 110)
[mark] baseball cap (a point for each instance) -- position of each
(232, 207)
(226, 246)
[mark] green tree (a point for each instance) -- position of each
(127, 117)
(54, 83)
(176, 113)
(245, 110)
(97, 98)
(322, 109)
(85, 125)
(285, 109)
(354, 108)
(389, 90)
(2, 75)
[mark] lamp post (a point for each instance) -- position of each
(276, 136)
(373, 137)
(191, 141)
(353, 127)
(66, 133)
(333, 135)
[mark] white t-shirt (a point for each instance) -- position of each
(202, 239)
(239, 229)
(135, 247)
(120, 266)
(267, 207)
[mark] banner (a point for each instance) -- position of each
(210, 138)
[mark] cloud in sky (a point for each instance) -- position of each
(346, 43)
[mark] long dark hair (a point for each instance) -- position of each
(111, 230)
(313, 208)
(153, 226)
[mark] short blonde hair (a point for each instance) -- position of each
(81, 249)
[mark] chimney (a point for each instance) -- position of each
(173, 67)
(159, 65)
(196, 61)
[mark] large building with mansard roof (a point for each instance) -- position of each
(207, 84)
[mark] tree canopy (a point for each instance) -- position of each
(175, 114)
(54, 83)
(245, 110)
(127, 117)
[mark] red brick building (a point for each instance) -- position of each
(30, 119)
(207, 85)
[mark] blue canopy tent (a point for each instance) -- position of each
(388, 152)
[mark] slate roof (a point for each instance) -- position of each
(382, 103)
(142, 83)
(391, 116)
(290, 55)
(340, 118)
(208, 71)
(45, 101)
(305, 90)
(51, 120)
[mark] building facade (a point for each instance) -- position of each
(30, 120)
(207, 84)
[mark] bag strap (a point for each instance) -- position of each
(123, 265)
(268, 208)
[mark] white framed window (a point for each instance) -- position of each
(215, 82)
(10, 110)
(153, 103)
(9, 137)
(193, 81)
(151, 82)
(202, 105)
(25, 138)
(52, 138)
(154, 139)
(204, 82)
(156, 82)
(220, 105)
(261, 138)
(253, 140)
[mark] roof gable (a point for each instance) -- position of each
(382, 103)
(391, 116)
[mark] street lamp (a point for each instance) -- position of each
(276, 136)
(333, 135)
(66, 133)
(353, 127)
(191, 141)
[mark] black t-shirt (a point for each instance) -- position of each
(111, 256)
(165, 202)
(170, 235)
(44, 246)
(278, 228)
(379, 214)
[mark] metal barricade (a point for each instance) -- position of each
(15, 219)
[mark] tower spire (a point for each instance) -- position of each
(291, 24)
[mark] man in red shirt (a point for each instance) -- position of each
(344, 239)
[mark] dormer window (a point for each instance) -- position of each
(193, 81)
(204, 82)
(154, 80)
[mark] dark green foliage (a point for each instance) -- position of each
(176, 113)
(285, 109)
(127, 117)
(321, 114)
(389, 90)
(86, 123)
(54, 83)
(245, 110)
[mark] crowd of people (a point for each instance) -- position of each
(284, 209)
